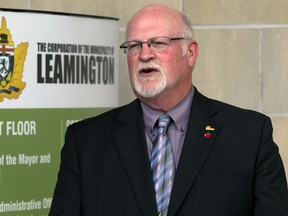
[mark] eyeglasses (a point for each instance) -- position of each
(156, 44)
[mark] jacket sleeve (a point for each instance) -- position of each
(67, 196)
(271, 194)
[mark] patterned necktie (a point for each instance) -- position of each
(162, 165)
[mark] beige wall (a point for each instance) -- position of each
(243, 57)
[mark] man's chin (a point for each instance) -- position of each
(148, 93)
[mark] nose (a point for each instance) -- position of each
(146, 53)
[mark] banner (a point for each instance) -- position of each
(55, 69)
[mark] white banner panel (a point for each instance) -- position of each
(60, 61)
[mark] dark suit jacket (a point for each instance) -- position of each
(105, 168)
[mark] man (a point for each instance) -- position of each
(224, 161)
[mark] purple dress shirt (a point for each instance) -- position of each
(177, 128)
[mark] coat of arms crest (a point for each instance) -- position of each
(11, 64)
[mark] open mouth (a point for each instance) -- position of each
(148, 70)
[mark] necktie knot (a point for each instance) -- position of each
(164, 120)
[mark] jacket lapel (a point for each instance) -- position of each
(131, 143)
(198, 142)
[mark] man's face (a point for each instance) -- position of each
(154, 72)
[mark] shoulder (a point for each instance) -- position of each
(234, 113)
(244, 122)
(230, 114)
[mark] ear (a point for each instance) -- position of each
(192, 52)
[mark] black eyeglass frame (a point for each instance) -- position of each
(124, 46)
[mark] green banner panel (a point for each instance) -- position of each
(30, 143)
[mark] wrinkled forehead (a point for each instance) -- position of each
(155, 17)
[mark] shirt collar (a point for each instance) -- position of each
(180, 114)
